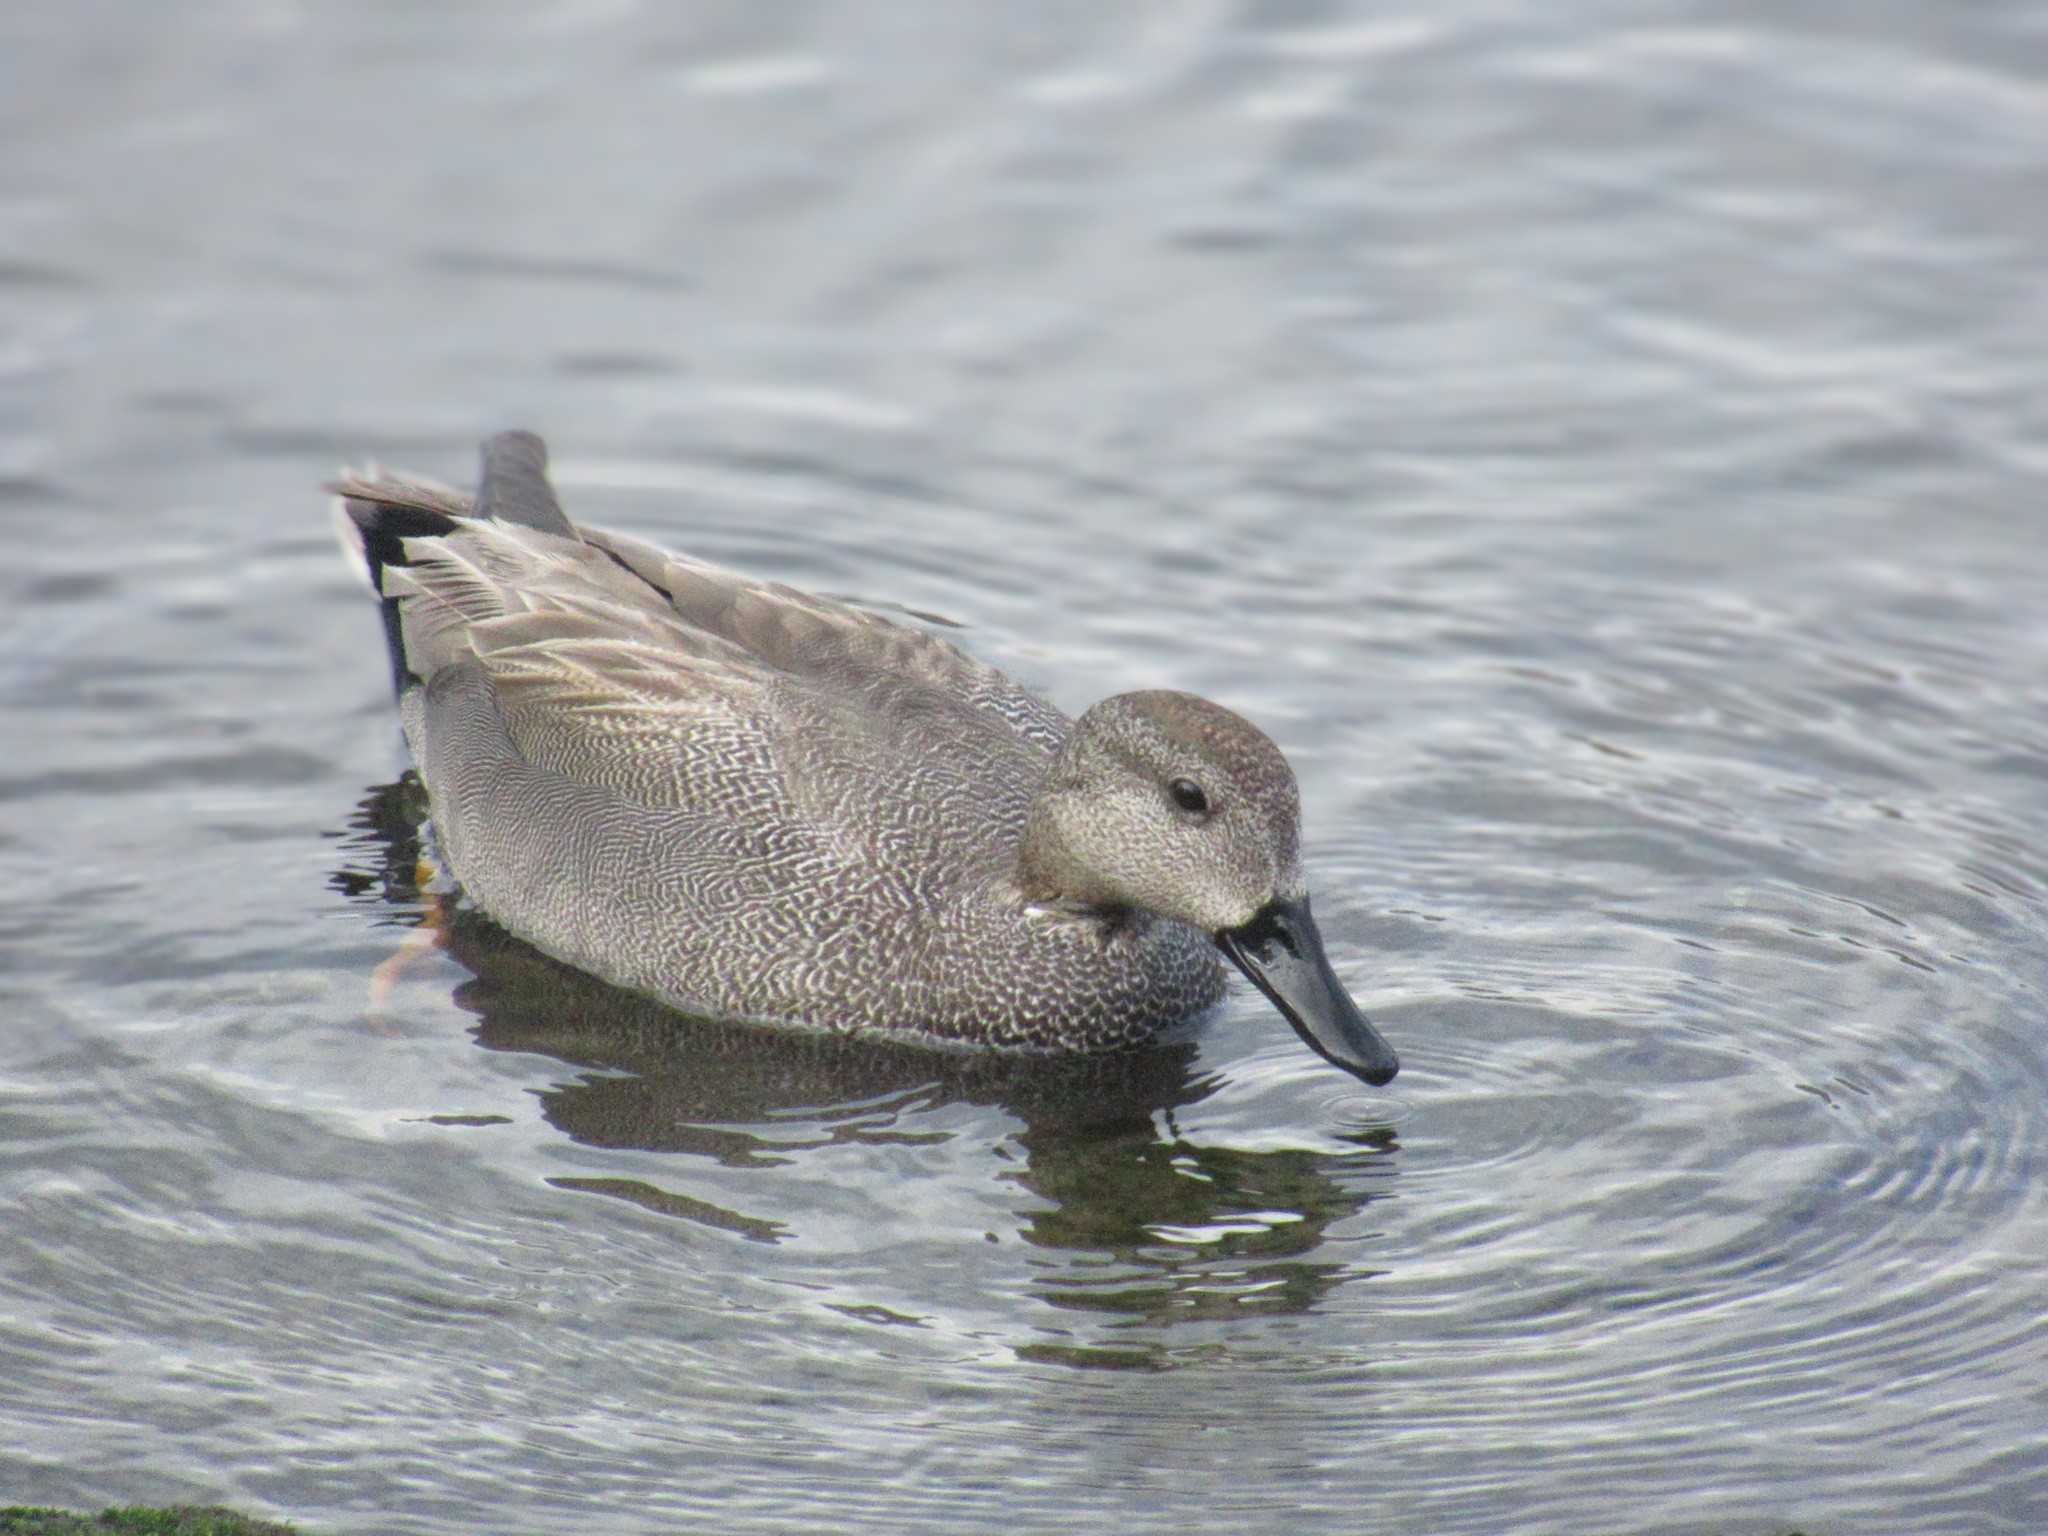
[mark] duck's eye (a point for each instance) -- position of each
(1187, 794)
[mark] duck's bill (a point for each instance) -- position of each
(1282, 953)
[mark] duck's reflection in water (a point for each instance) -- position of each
(1142, 1222)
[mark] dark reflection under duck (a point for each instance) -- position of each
(1150, 1227)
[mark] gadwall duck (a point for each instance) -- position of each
(758, 804)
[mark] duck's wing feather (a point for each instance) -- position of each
(893, 669)
(617, 663)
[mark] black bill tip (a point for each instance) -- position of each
(1281, 951)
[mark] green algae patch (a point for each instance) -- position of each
(176, 1520)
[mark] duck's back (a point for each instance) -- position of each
(745, 799)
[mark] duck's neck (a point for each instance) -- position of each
(1039, 855)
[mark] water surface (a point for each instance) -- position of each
(1601, 443)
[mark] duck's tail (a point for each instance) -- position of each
(375, 513)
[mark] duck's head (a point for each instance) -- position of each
(1173, 805)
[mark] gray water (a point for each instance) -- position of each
(1603, 443)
